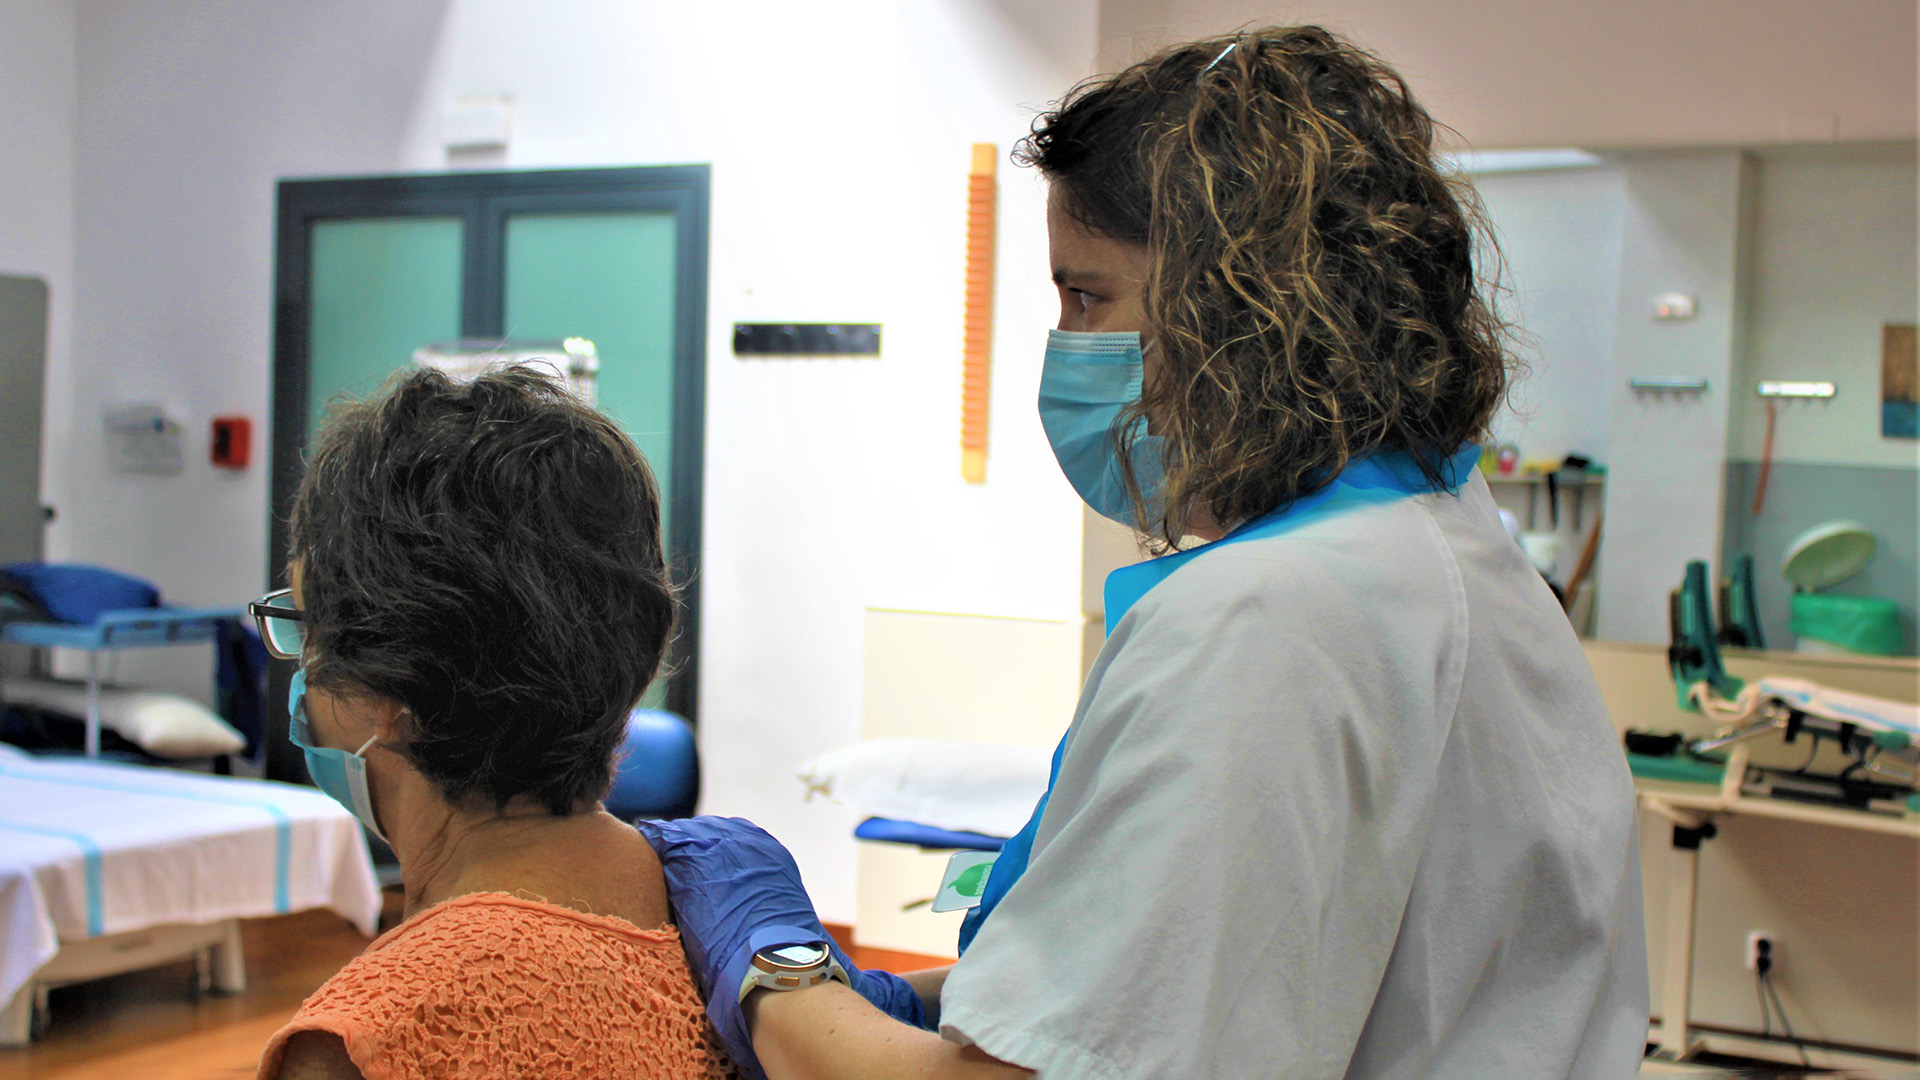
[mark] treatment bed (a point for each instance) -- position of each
(107, 868)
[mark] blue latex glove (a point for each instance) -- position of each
(731, 883)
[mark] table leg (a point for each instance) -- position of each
(1676, 1005)
(93, 704)
(230, 961)
(16, 1018)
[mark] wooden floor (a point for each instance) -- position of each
(146, 1026)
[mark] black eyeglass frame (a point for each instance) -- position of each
(263, 609)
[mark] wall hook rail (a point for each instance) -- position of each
(1667, 385)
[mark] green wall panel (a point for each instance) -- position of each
(607, 277)
(381, 289)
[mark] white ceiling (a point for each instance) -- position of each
(1604, 73)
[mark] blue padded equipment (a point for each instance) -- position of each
(912, 832)
(658, 769)
(72, 593)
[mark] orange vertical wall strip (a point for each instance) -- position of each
(977, 359)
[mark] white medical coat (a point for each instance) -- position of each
(1343, 801)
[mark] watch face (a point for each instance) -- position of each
(798, 955)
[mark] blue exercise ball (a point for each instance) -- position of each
(658, 769)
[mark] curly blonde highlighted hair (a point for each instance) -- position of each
(1312, 295)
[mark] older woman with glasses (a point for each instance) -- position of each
(478, 599)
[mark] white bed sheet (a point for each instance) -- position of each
(92, 848)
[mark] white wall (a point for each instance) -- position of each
(1666, 478)
(839, 141)
(37, 118)
(188, 114)
(1630, 73)
(1833, 257)
(1559, 233)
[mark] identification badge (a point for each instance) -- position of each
(965, 880)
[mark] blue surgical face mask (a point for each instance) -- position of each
(336, 772)
(1086, 381)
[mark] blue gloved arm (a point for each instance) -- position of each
(891, 994)
(730, 882)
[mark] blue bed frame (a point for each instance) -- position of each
(131, 628)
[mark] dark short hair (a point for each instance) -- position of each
(1312, 292)
(487, 554)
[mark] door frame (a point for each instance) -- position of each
(25, 302)
(483, 201)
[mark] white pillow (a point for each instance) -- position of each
(164, 725)
(986, 788)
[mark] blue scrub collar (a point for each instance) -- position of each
(1377, 478)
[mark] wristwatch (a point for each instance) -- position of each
(793, 965)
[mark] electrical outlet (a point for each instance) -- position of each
(1761, 943)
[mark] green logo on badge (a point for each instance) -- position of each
(972, 881)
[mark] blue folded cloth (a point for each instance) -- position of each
(912, 832)
(73, 593)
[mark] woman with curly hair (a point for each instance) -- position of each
(1340, 797)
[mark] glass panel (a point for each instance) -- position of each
(381, 289)
(607, 277)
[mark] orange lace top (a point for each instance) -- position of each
(493, 987)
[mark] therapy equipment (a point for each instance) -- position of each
(1739, 612)
(1693, 782)
(1877, 737)
(107, 868)
(1693, 649)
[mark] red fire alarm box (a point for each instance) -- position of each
(232, 441)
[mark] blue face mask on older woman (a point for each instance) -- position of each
(1086, 381)
(336, 772)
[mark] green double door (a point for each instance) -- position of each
(383, 287)
(372, 269)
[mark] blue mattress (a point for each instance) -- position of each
(890, 831)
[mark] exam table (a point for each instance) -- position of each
(106, 868)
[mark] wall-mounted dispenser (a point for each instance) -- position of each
(141, 438)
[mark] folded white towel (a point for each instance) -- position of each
(986, 788)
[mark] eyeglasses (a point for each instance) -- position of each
(283, 627)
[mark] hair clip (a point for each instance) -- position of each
(1222, 56)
